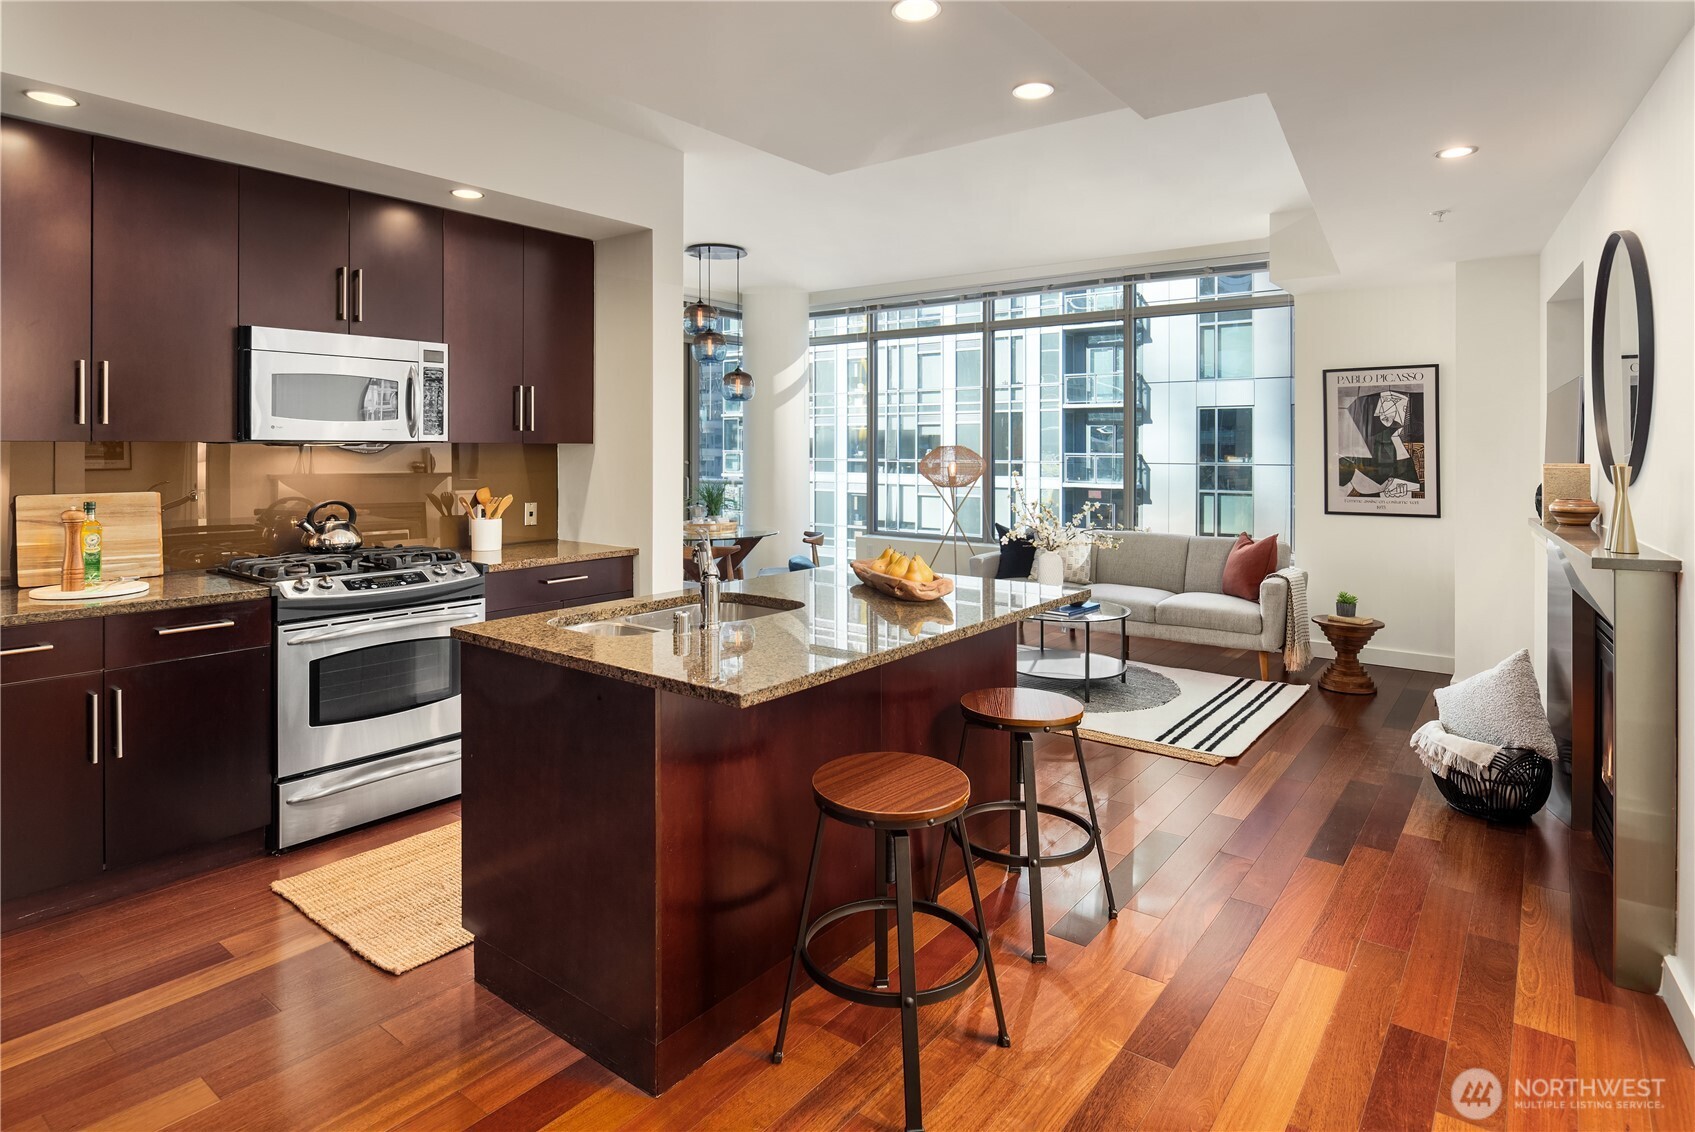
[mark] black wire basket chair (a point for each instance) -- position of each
(1519, 783)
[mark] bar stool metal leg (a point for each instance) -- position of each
(908, 981)
(800, 940)
(1015, 789)
(942, 849)
(880, 918)
(1095, 825)
(983, 926)
(1033, 834)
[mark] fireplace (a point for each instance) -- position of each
(1612, 699)
(1601, 810)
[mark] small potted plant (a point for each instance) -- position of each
(713, 497)
(1346, 603)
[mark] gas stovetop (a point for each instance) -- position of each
(369, 577)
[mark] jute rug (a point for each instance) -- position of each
(397, 906)
(1200, 717)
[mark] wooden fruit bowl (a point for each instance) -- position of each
(901, 589)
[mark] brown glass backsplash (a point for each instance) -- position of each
(227, 500)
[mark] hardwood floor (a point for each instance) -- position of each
(1310, 939)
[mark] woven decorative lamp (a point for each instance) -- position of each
(949, 469)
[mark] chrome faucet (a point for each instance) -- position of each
(707, 566)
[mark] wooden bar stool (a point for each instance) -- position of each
(893, 794)
(1022, 712)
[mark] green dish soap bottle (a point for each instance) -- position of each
(92, 537)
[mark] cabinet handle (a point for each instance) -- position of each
(358, 294)
(518, 408)
(202, 627)
(532, 408)
(21, 649)
(118, 722)
(572, 578)
(105, 392)
(341, 294)
(94, 728)
(82, 391)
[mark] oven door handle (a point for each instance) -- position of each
(412, 402)
(372, 776)
(383, 627)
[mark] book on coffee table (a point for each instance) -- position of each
(1078, 608)
(1350, 620)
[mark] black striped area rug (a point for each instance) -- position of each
(1211, 718)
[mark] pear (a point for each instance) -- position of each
(883, 558)
(896, 565)
(916, 571)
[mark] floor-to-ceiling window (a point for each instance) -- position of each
(713, 425)
(1193, 435)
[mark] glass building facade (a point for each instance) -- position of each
(714, 426)
(1193, 436)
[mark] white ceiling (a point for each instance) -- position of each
(845, 149)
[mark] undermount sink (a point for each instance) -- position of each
(618, 628)
(728, 610)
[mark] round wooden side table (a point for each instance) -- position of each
(1346, 674)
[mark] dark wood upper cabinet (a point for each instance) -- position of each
(394, 248)
(177, 778)
(559, 336)
(293, 252)
(164, 295)
(483, 306)
(45, 207)
(50, 784)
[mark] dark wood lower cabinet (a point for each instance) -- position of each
(185, 766)
(50, 784)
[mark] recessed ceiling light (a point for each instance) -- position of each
(468, 194)
(1454, 151)
(1030, 92)
(51, 97)
(915, 11)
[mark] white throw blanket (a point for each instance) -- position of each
(1441, 750)
(1297, 640)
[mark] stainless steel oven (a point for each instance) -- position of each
(367, 715)
(301, 386)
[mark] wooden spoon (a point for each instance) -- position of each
(485, 497)
(500, 506)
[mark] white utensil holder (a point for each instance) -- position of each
(485, 534)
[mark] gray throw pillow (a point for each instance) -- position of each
(1500, 706)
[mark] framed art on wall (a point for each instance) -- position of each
(1382, 448)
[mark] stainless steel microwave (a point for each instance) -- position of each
(303, 387)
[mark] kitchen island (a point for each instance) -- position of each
(638, 810)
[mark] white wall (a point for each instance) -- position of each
(1494, 458)
(1402, 569)
(777, 441)
(1646, 184)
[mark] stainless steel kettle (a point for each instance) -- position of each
(332, 533)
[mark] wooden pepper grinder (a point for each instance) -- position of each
(70, 574)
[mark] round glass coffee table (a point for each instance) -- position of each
(1077, 665)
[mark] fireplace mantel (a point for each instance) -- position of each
(1637, 595)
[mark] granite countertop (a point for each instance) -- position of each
(523, 555)
(171, 591)
(829, 625)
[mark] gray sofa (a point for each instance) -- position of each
(1173, 586)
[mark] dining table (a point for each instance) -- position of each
(741, 543)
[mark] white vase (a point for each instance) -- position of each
(1049, 568)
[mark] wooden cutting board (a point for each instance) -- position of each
(133, 546)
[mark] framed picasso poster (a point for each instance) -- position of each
(1382, 449)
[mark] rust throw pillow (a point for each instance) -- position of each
(1248, 564)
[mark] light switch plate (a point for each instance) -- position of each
(529, 514)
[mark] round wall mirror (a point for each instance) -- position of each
(1621, 354)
